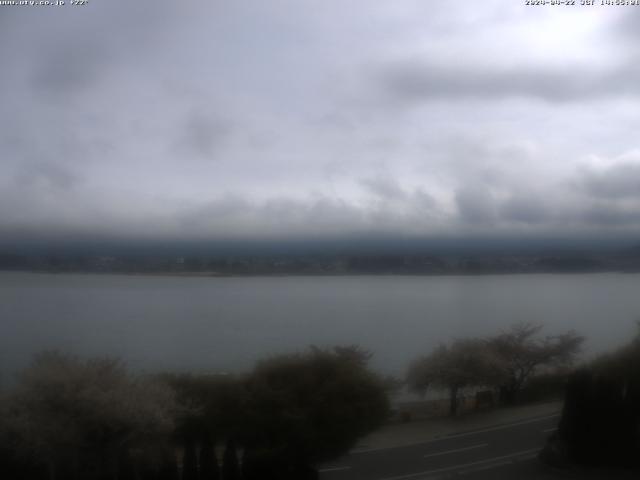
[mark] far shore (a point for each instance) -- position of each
(213, 274)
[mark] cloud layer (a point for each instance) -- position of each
(296, 119)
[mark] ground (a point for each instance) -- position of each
(503, 443)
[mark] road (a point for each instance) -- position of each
(502, 451)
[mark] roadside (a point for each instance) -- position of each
(500, 443)
(410, 433)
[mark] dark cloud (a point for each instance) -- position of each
(475, 206)
(527, 209)
(70, 68)
(230, 215)
(615, 182)
(392, 205)
(386, 188)
(204, 135)
(612, 215)
(425, 81)
(219, 211)
(47, 174)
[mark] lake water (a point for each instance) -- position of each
(225, 324)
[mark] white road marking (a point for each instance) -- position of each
(488, 466)
(550, 430)
(496, 461)
(501, 463)
(455, 435)
(333, 469)
(499, 427)
(456, 450)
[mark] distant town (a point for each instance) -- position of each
(627, 260)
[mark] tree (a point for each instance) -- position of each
(311, 407)
(464, 363)
(209, 469)
(521, 353)
(190, 462)
(601, 413)
(168, 467)
(211, 405)
(211, 408)
(80, 418)
(230, 465)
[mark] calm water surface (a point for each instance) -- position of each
(225, 324)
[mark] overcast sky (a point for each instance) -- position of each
(311, 118)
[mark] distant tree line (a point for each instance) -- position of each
(70, 419)
(354, 263)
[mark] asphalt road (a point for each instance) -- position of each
(503, 451)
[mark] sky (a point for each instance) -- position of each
(319, 119)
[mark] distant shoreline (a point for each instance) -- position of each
(197, 274)
(294, 265)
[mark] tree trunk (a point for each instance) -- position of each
(453, 401)
(51, 468)
(190, 462)
(230, 467)
(508, 394)
(209, 469)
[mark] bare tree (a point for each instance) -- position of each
(462, 364)
(522, 352)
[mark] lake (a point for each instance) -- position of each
(225, 324)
